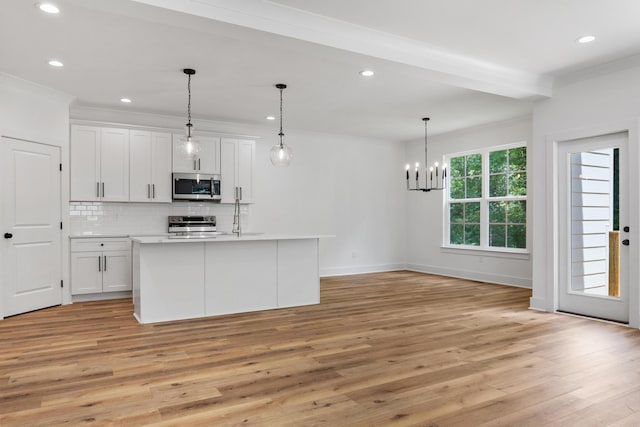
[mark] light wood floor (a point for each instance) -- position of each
(396, 348)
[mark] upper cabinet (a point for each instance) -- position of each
(150, 172)
(111, 164)
(237, 163)
(99, 164)
(207, 160)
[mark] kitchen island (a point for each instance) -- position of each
(182, 278)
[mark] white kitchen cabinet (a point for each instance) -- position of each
(150, 171)
(99, 164)
(86, 273)
(298, 264)
(100, 265)
(206, 161)
(237, 164)
(240, 277)
(85, 163)
(116, 271)
(177, 279)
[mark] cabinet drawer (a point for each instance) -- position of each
(99, 245)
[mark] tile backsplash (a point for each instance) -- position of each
(145, 218)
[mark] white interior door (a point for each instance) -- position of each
(30, 220)
(593, 240)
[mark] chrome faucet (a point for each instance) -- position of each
(236, 212)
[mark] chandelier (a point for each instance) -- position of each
(440, 175)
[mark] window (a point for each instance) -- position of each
(487, 199)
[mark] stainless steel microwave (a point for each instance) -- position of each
(196, 186)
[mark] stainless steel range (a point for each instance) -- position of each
(192, 227)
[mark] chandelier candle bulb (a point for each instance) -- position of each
(407, 172)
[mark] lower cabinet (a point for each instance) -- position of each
(240, 277)
(175, 280)
(100, 265)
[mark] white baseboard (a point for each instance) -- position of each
(519, 282)
(360, 269)
(102, 296)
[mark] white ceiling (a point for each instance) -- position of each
(533, 35)
(461, 62)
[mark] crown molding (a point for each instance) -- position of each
(14, 82)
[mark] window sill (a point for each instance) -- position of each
(497, 253)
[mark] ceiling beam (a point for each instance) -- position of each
(441, 65)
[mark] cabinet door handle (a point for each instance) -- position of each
(153, 186)
(97, 189)
(148, 191)
(103, 189)
(99, 263)
(105, 263)
(198, 164)
(240, 192)
(195, 165)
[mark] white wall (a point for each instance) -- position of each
(593, 105)
(32, 112)
(337, 184)
(425, 211)
(38, 114)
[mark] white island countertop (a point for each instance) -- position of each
(248, 236)
(175, 279)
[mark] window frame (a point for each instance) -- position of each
(484, 204)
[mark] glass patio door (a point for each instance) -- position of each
(593, 233)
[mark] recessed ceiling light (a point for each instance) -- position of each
(56, 63)
(586, 39)
(270, 118)
(48, 8)
(366, 73)
(125, 100)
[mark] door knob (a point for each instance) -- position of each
(625, 242)
(8, 235)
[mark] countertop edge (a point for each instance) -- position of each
(227, 238)
(114, 236)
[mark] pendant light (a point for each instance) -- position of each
(190, 146)
(281, 153)
(440, 175)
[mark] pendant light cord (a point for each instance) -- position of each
(426, 159)
(281, 134)
(189, 106)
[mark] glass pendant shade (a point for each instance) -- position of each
(281, 154)
(190, 145)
